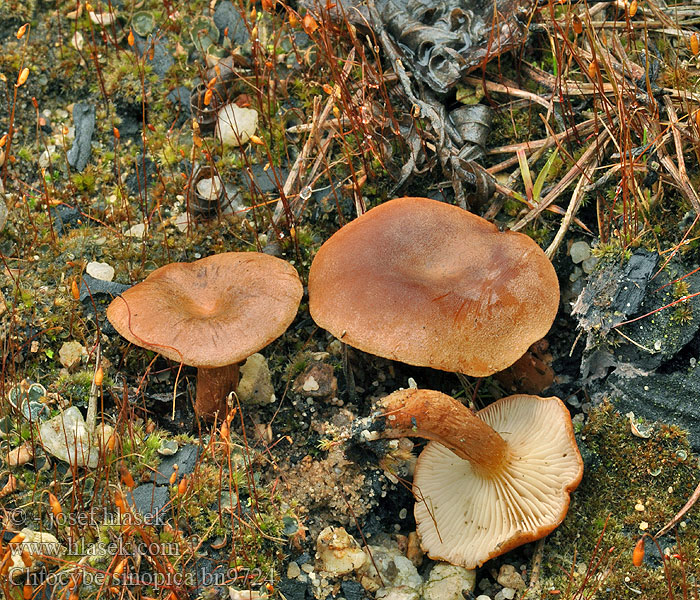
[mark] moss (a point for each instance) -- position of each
(630, 486)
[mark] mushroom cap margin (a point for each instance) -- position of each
(211, 312)
(478, 523)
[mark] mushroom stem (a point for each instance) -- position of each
(213, 386)
(439, 417)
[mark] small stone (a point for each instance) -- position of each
(316, 381)
(255, 386)
(293, 570)
(71, 353)
(20, 455)
(100, 270)
(103, 434)
(136, 231)
(589, 264)
(644, 526)
(579, 252)
(414, 552)
(449, 582)
(102, 18)
(182, 222)
(338, 552)
(508, 593)
(639, 507)
(35, 545)
(395, 570)
(67, 438)
(509, 577)
(77, 41)
(236, 124)
(209, 188)
(310, 385)
(483, 597)
(397, 593)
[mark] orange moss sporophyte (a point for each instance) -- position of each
(126, 477)
(638, 553)
(119, 569)
(56, 508)
(309, 24)
(22, 77)
(173, 476)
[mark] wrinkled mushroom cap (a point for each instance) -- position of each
(212, 312)
(430, 284)
(466, 517)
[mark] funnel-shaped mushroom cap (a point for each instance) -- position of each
(466, 516)
(212, 312)
(430, 284)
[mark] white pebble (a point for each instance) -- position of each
(100, 270)
(209, 188)
(235, 124)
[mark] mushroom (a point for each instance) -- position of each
(487, 482)
(430, 284)
(212, 314)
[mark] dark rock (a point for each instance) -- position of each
(84, 121)
(661, 328)
(670, 398)
(661, 335)
(130, 118)
(161, 60)
(264, 181)
(91, 286)
(180, 99)
(151, 502)
(144, 172)
(614, 291)
(185, 459)
(227, 15)
(293, 589)
(65, 218)
(352, 590)
(303, 559)
(208, 573)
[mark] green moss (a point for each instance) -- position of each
(631, 485)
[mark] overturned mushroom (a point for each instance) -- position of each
(487, 482)
(430, 284)
(212, 314)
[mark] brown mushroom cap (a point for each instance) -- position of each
(466, 515)
(212, 312)
(430, 284)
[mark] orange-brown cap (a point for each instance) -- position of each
(212, 312)
(430, 284)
